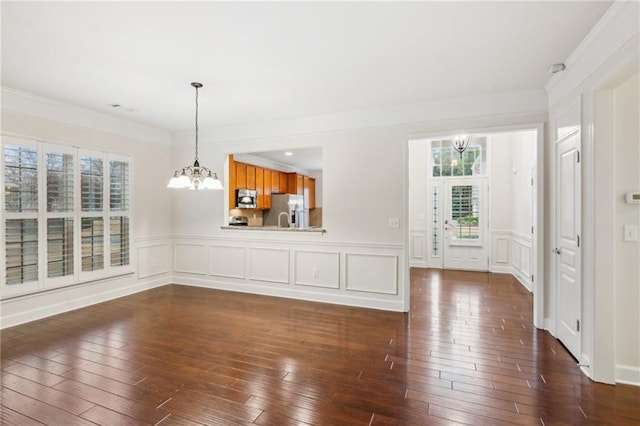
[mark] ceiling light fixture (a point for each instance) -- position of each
(460, 143)
(288, 153)
(195, 177)
(556, 68)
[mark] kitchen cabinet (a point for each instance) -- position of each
(275, 182)
(267, 189)
(241, 176)
(259, 186)
(309, 192)
(251, 177)
(295, 184)
(266, 182)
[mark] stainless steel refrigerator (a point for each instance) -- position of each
(292, 205)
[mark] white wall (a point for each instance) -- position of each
(30, 117)
(627, 254)
(609, 56)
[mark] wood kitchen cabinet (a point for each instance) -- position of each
(241, 177)
(309, 192)
(275, 182)
(251, 177)
(259, 186)
(267, 189)
(267, 182)
(295, 184)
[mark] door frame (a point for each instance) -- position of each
(537, 258)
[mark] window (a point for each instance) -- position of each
(22, 250)
(435, 225)
(60, 211)
(447, 162)
(465, 211)
(91, 183)
(92, 243)
(93, 215)
(66, 215)
(21, 217)
(119, 212)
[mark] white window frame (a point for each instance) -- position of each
(29, 286)
(42, 215)
(118, 213)
(62, 149)
(100, 273)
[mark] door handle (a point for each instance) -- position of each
(556, 251)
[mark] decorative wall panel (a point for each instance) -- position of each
(190, 258)
(227, 261)
(318, 269)
(270, 265)
(152, 260)
(373, 273)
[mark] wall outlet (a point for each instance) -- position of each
(394, 222)
(315, 273)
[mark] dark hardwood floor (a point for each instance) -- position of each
(466, 354)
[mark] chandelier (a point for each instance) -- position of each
(460, 143)
(195, 177)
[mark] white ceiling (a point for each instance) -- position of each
(270, 61)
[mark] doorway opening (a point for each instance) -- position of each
(480, 210)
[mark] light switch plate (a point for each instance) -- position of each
(394, 222)
(630, 232)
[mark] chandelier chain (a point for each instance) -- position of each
(196, 123)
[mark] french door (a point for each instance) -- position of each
(459, 232)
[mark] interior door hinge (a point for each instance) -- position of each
(577, 325)
(578, 240)
(532, 229)
(531, 277)
(578, 156)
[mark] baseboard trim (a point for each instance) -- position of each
(627, 375)
(311, 296)
(80, 302)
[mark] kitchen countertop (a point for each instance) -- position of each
(275, 228)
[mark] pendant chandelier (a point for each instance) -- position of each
(195, 177)
(460, 143)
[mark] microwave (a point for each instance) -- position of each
(246, 198)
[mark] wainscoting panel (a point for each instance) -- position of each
(376, 273)
(318, 269)
(270, 265)
(296, 265)
(501, 251)
(227, 261)
(418, 249)
(153, 259)
(190, 258)
(522, 259)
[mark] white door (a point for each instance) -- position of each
(567, 242)
(465, 225)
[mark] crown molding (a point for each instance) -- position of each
(617, 28)
(30, 105)
(444, 110)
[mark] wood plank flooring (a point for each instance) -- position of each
(467, 353)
